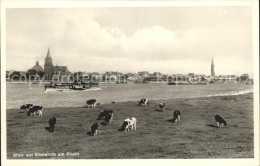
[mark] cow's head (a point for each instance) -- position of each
(176, 113)
(225, 123)
(125, 125)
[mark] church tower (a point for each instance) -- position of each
(48, 66)
(212, 68)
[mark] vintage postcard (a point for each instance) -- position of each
(164, 82)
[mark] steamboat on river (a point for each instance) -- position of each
(71, 86)
(187, 83)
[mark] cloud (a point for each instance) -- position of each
(82, 42)
(155, 43)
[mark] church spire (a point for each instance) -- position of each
(212, 68)
(48, 59)
(48, 54)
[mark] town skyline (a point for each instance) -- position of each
(87, 39)
(136, 71)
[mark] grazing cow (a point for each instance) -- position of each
(162, 106)
(177, 116)
(103, 114)
(52, 122)
(94, 129)
(108, 118)
(129, 124)
(91, 103)
(143, 101)
(220, 121)
(35, 110)
(26, 107)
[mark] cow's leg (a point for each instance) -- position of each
(96, 132)
(135, 125)
(179, 118)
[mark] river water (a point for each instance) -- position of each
(18, 94)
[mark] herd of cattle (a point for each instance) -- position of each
(107, 115)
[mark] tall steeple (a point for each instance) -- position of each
(48, 59)
(48, 66)
(212, 68)
(48, 53)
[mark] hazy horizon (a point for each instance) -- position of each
(158, 39)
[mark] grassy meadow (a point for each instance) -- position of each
(195, 136)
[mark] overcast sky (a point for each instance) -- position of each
(169, 40)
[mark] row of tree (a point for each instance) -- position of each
(16, 75)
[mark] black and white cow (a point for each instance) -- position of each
(177, 116)
(94, 129)
(108, 119)
(35, 110)
(161, 106)
(220, 121)
(103, 114)
(26, 107)
(129, 124)
(52, 122)
(143, 101)
(91, 103)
